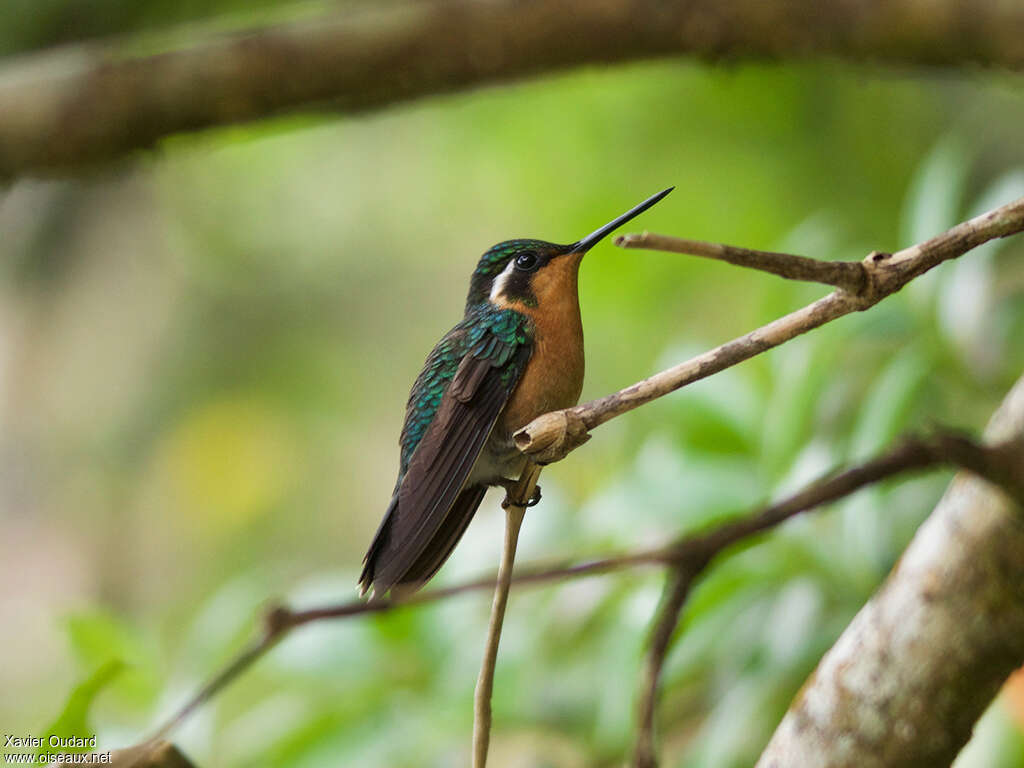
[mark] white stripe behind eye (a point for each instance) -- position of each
(501, 281)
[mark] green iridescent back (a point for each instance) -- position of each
(486, 333)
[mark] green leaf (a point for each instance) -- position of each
(73, 719)
(802, 371)
(1003, 190)
(888, 403)
(99, 638)
(933, 204)
(969, 287)
(934, 199)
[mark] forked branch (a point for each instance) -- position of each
(550, 437)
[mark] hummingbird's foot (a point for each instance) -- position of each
(510, 486)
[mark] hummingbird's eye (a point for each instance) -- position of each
(526, 261)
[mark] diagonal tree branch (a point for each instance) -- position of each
(94, 104)
(550, 437)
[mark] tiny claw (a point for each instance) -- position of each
(533, 501)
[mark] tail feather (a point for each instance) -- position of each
(440, 548)
(414, 574)
(380, 541)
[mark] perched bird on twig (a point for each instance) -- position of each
(517, 353)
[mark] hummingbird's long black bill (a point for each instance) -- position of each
(595, 237)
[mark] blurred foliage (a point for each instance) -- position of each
(73, 722)
(205, 357)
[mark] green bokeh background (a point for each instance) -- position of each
(205, 354)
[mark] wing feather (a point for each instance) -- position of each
(468, 378)
(436, 474)
(441, 545)
(431, 508)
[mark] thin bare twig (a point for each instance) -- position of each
(841, 274)
(677, 589)
(550, 437)
(515, 509)
(271, 637)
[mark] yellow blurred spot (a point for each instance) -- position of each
(228, 461)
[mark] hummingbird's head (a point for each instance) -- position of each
(529, 272)
(510, 272)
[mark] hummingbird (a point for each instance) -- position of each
(516, 354)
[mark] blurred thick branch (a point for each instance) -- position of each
(91, 104)
(550, 437)
(919, 664)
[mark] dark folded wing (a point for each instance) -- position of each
(442, 544)
(427, 515)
